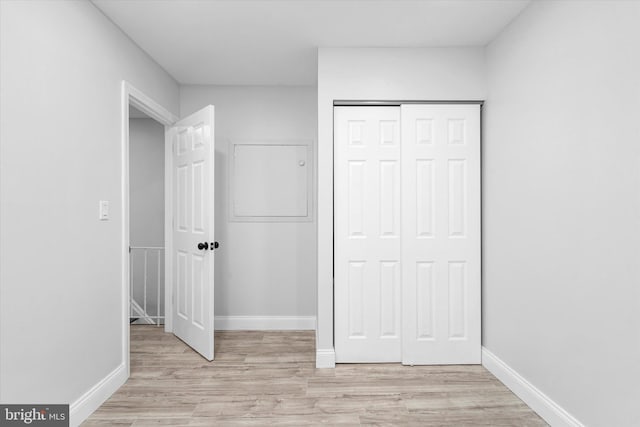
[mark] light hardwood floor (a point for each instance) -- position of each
(264, 378)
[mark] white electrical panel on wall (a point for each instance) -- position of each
(270, 181)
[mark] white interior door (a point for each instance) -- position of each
(192, 253)
(367, 234)
(441, 234)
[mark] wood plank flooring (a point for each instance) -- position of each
(269, 378)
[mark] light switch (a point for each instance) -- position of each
(104, 210)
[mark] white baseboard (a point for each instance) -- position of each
(264, 323)
(325, 358)
(82, 408)
(549, 410)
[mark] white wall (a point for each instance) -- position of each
(562, 205)
(61, 68)
(146, 166)
(377, 74)
(146, 210)
(262, 269)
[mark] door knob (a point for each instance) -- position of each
(204, 246)
(215, 245)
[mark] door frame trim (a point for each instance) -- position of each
(135, 97)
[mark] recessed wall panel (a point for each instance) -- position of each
(356, 177)
(270, 181)
(425, 300)
(425, 198)
(356, 299)
(457, 198)
(389, 282)
(457, 300)
(389, 198)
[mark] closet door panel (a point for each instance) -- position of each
(441, 234)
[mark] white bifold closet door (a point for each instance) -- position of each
(407, 234)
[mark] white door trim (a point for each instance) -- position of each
(135, 97)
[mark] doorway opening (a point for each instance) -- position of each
(187, 216)
(137, 104)
(146, 219)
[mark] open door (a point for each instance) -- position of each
(192, 253)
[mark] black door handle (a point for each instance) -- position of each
(215, 245)
(204, 246)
